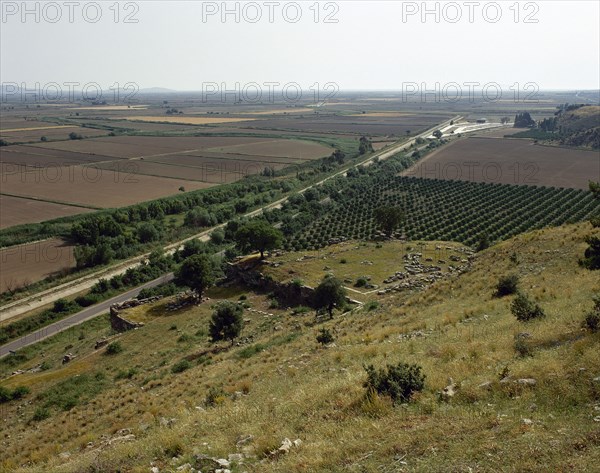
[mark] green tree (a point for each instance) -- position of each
(258, 235)
(525, 309)
(595, 188)
(365, 145)
(388, 218)
(591, 259)
(197, 272)
(483, 242)
(329, 294)
(147, 232)
(226, 322)
(438, 134)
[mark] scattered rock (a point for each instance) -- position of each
(449, 391)
(526, 381)
(67, 358)
(235, 457)
(286, 446)
(526, 421)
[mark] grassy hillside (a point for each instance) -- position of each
(144, 407)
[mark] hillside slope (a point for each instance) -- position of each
(144, 408)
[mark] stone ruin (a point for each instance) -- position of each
(419, 276)
(118, 322)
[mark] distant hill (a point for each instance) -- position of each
(572, 125)
(580, 127)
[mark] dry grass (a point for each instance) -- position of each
(294, 388)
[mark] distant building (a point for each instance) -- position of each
(482, 120)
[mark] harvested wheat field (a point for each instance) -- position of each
(93, 187)
(18, 211)
(295, 149)
(24, 135)
(510, 161)
(25, 264)
(38, 157)
(148, 146)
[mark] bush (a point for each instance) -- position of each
(361, 282)
(41, 413)
(113, 348)
(507, 285)
(5, 394)
(522, 347)
(215, 396)
(371, 305)
(325, 337)
(20, 391)
(398, 382)
(181, 366)
(525, 309)
(592, 320)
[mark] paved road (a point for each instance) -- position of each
(98, 309)
(78, 318)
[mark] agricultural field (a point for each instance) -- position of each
(51, 133)
(123, 170)
(357, 124)
(448, 210)
(13, 158)
(510, 161)
(24, 264)
(152, 146)
(18, 211)
(187, 120)
(92, 187)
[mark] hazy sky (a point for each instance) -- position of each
(373, 45)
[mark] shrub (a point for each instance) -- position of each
(325, 337)
(181, 366)
(20, 391)
(126, 374)
(371, 305)
(592, 320)
(185, 338)
(525, 309)
(343, 261)
(41, 413)
(398, 382)
(522, 347)
(113, 348)
(215, 396)
(361, 282)
(5, 394)
(507, 285)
